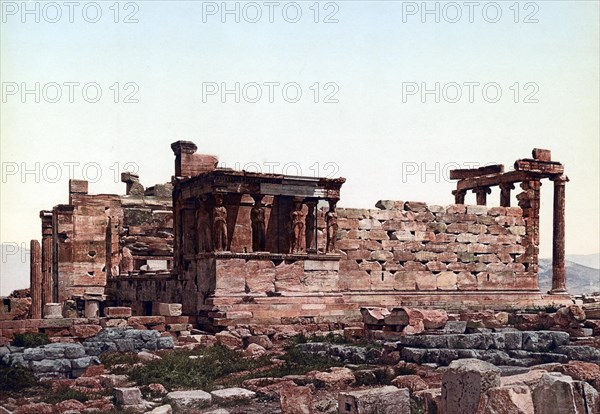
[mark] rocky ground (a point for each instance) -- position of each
(488, 363)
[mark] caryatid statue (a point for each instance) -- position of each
(332, 227)
(220, 224)
(203, 226)
(297, 245)
(310, 226)
(257, 217)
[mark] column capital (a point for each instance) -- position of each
(560, 179)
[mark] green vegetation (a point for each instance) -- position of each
(63, 394)
(333, 338)
(15, 378)
(30, 340)
(177, 370)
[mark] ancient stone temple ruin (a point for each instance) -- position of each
(236, 247)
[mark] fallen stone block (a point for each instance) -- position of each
(163, 409)
(384, 400)
(429, 401)
(464, 383)
(374, 316)
(128, 396)
(231, 394)
(295, 400)
(190, 399)
(515, 399)
(556, 393)
(229, 340)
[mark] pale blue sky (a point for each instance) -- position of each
(372, 136)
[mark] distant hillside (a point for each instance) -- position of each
(580, 279)
(589, 260)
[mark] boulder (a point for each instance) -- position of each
(464, 383)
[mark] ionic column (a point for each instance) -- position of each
(481, 194)
(35, 274)
(558, 244)
(505, 194)
(459, 196)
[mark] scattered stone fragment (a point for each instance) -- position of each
(464, 383)
(384, 400)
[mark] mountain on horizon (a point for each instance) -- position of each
(581, 279)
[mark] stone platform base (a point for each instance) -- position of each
(344, 308)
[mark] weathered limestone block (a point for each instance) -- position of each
(556, 393)
(169, 309)
(515, 399)
(117, 312)
(231, 394)
(447, 281)
(465, 382)
(405, 281)
(187, 400)
(425, 280)
(384, 400)
(53, 311)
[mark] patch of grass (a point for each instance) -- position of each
(177, 371)
(297, 362)
(333, 338)
(119, 362)
(63, 394)
(30, 340)
(16, 378)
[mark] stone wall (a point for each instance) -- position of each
(99, 236)
(414, 247)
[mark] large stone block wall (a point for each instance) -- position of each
(415, 247)
(90, 233)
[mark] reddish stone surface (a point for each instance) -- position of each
(84, 331)
(69, 405)
(117, 312)
(584, 371)
(295, 400)
(35, 408)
